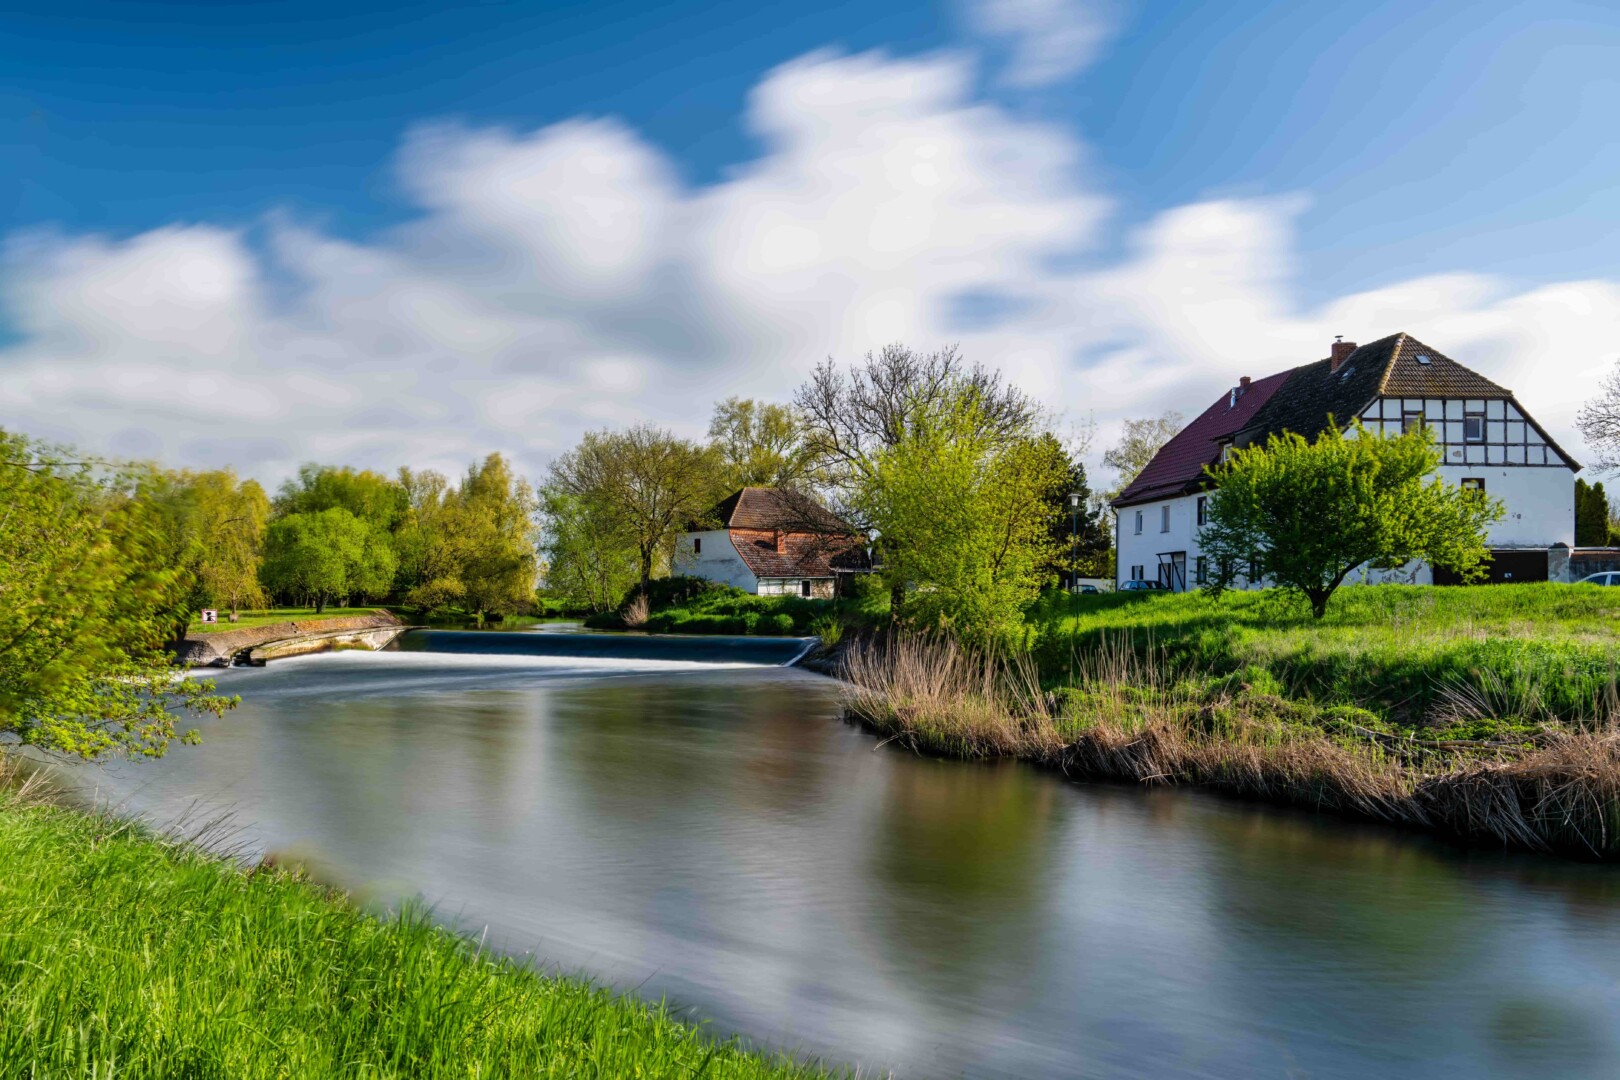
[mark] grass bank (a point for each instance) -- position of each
(1488, 661)
(686, 605)
(247, 620)
(126, 955)
(1488, 714)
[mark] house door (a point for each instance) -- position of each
(804, 588)
(1173, 570)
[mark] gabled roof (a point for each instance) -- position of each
(776, 508)
(1302, 399)
(804, 555)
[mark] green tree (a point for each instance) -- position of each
(858, 419)
(591, 558)
(1591, 515)
(231, 517)
(649, 483)
(1305, 514)
(371, 497)
(88, 599)
(1139, 441)
(326, 555)
(760, 444)
(490, 520)
(1079, 533)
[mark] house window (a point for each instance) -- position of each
(1203, 509)
(1226, 449)
(697, 545)
(1164, 518)
(1473, 483)
(1136, 573)
(804, 588)
(1411, 421)
(1201, 568)
(1139, 523)
(1474, 427)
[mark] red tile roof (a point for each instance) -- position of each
(815, 543)
(1180, 462)
(776, 508)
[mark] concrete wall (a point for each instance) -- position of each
(715, 558)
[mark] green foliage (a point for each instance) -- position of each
(964, 521)
(1139, 441)
(759, 444)
(326, 555)
(591, 557)
(688, 605)
(1305, 514)
(132, 957)
(89, 595)
(1591, 515)
(641, 487)
(369, 496)
(475, 546)
(1078, 532)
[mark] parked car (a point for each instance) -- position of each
(1611, 577)
(1142, 585)
(1087, 589)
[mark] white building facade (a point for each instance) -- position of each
(1486, 438)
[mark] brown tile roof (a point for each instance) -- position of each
(804, 555)
(1302, 399)
(776, 508)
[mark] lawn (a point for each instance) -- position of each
(126, 955)
(1415, 656)
(274, 615)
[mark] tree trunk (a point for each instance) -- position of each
(646, 570)
(1319, 601)
(320, 604)
(897, 600)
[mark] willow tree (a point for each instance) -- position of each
(88, 598)
(1305, 514)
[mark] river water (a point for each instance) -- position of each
(710, 831)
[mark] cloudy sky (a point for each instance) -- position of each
(261, 234)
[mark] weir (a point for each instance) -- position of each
(690, 648)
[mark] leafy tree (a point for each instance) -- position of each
(1591, 515)
(230, 525)
(1305, 514)
(88, 598)
(369, 496)
(591, 557)
(325, 555)
(760, 444)
(1082, 538)
(857, 419)
(651, 483)
(418, 540)
(1138, 442)
(490, 522)
(966, 520)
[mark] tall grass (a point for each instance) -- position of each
(125, 955)
(1410, 654)
(1127, 715)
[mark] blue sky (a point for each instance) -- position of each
(1385, 143)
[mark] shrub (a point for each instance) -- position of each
(829, 628)
(782, 622)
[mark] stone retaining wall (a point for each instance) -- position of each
(216, 649)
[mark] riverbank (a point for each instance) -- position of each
(1131, 718)
(216, 647)
(131, 955)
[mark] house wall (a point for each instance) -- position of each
(820, 588)
(716, 561)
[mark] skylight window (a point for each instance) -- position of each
(1423, 359)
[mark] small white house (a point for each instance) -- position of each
(772, 542)
(1486, 438)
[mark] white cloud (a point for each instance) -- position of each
(1050, 40)
(563, 279)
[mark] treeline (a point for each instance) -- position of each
(971, 503)
(344, 535)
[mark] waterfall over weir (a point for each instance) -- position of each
(699, 649)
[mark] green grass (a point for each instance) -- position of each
(128, 956)
(274, 615)
(681, 605)
(1497, 657)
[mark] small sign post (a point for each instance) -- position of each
(209, 615)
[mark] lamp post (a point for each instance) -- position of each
(1074, 541)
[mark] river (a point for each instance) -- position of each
(712, 832)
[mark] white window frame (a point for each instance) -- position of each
(1139, 523)
(1164, 518)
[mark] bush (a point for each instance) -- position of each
(782, 622)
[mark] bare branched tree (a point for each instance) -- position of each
(1599, 421)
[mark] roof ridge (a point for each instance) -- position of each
(1389, 365)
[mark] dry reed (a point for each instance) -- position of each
(1120, 719)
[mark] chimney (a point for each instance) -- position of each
(1243, 383)
(1341, 352)
(781, 542)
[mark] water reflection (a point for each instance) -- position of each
(720, 837)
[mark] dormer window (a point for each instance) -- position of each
(1225, 449)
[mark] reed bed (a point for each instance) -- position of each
(1126, 715)
(129, 955)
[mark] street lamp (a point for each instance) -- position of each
(1074, 540)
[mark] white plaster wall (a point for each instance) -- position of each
(1539, 501)
(718, 561)
(1143, 549)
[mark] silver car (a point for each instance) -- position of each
(1611, 577)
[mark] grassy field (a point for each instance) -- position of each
(1476, 660)
(273, 615)
(128, 956)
